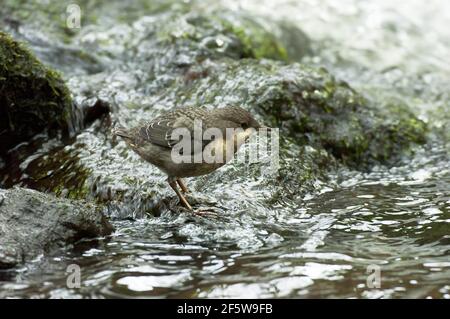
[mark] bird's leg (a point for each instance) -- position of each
(182, 185)
(183, 200)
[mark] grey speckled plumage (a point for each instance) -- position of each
(154, 142)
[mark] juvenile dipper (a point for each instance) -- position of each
(159, 140)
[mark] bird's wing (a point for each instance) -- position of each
(160, 130)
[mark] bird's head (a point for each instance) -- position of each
(240, 118)
(243, 123)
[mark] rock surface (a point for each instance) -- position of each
(32, 223)
(185, 54)
(33, 98)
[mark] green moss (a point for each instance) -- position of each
(439, 119)
(256, 41)
(60, 173)
(33, 97)
(225, 34)
(397, 130)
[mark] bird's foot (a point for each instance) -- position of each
(205, 213)
(183, 200)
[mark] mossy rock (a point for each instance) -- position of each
(50, 15)
(234, 35)
(312, 108)
(33, 98)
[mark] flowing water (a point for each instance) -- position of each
(378, 234)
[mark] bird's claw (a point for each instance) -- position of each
(205, 213)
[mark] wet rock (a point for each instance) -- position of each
(33, 98)
(33, 223)
(234, 35)
(230, 32)
(212, 58)
(313, 108)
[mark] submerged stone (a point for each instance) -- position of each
(33, 223)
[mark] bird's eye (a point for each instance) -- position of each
(244, 126)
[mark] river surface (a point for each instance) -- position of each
(378, 234)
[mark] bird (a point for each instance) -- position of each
(178, 144)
